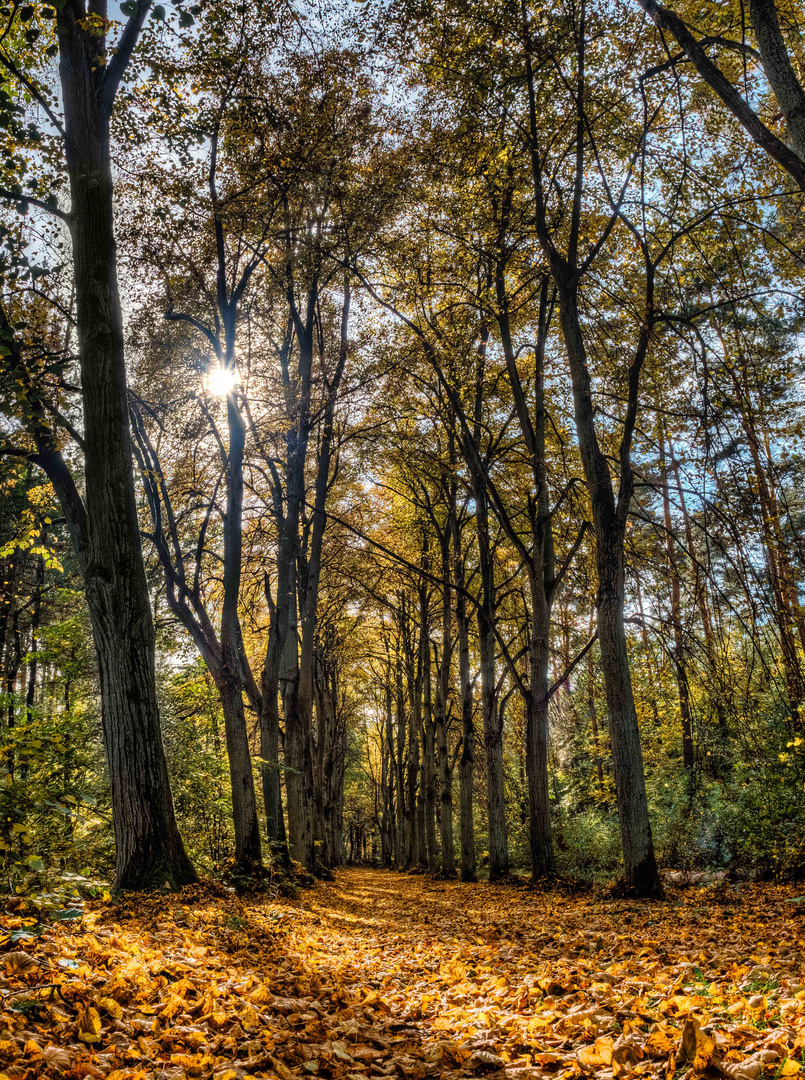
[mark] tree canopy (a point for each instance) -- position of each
(401, 440)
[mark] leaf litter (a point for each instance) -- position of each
(385, 974)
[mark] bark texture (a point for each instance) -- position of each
(150, 852)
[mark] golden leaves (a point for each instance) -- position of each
(88, 1023)
(698, 1046)
(660, 1042)
(249, 1017)
(111, 1007)
(600, 1053)
(420, 980)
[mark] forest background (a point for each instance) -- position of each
(401, 452)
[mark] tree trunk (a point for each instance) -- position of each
(270, 770)
(414, 723)
(297, 742)
(466, 765)
(540, 562)
(310, 593)
(640, 866)
(403, 815)
(493, 737)
(431, 852)
(680, 661)
(150, 852)
(627, 757)
(543, 861)
(36, 616)
(248, 855)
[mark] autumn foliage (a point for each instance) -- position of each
(386, 975)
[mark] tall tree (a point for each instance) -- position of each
(103, 523)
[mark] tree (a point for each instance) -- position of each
(103, 523)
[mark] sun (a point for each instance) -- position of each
(221, 381)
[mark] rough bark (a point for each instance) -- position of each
(390, 774)
(149, 849)
(609, 522)
(403, 816)
(539, 558)
(779, 71)
(310, 593)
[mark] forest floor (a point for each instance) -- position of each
(385, 974)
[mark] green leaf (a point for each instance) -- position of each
(128, 8)
(23, 1005)
(68, 914)
(159, 13)
(26, 13)
(186, 19)
(27, 933)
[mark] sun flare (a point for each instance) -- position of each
(221, 381)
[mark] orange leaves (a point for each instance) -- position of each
(698, 1046)
(249, 1018)
(111, 1007)
(681, 1004)
(420, 980)
(660, 1042)
(88, 1024)
(217, 1019)
(194, 1064)
(600, 1053)
(790, 1067)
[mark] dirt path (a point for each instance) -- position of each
(384, 974)
(509, 980)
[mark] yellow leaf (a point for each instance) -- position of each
(249, 1018)
(110, 1006)
(658, 1044)
(262, 995)
(89, 1025)
(600, 1053)
(218, 1019)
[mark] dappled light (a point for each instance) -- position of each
(381, 974)
(402, 539)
